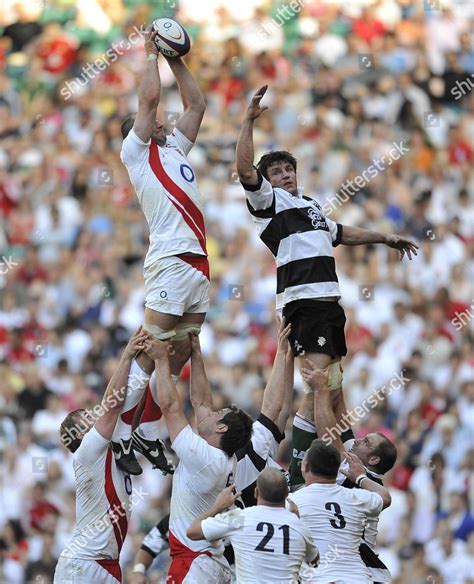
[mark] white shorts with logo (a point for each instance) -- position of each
(76, 571)
(174, 285)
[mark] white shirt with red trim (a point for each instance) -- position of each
(168, 192)
(102, 502)
(202, 473)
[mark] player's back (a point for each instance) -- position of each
(202, 473)
(270, 544)
(102, 501)
(336, 518)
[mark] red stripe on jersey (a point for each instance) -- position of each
(198, 263)
(191, 214)
(151, 410)
(182, 558)
(113, 568)
(127, 417)
(117, 512)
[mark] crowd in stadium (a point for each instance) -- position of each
(349, 85)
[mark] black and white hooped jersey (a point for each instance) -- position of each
(301, 239)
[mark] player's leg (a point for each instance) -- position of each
(180, 351)
(138, 378)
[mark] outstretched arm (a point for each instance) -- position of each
(324, 417)
(357, 236)
(114, 396)
(150, 89)
(167, 396)
(191, 96)
(275, 389)
(288, 392)
(200, 392)
(245, 152)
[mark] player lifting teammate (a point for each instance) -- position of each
(176, 268)
(102, 489)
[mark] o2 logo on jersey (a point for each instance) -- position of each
(187, 172)
(128, 484)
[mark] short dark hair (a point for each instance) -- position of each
(70, 428)
(272, 157)
(127, 125)
(239, 431)
(387, 452)
(272, 485)
(323, 459)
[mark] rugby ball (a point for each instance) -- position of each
(172, 39)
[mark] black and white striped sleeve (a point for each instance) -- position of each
(335, 229)
(260, 197)
(156, 540)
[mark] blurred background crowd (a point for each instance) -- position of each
(348, 82)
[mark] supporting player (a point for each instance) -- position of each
(301, 239)
(260, 452)
(206, 465)
(336, 516)
(176, 268)
(102, 490)
(376, 452)
(270, 542)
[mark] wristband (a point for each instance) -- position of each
(141, 568)
(151, 57)
(360, 478)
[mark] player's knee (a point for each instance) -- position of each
(159, 333)
(184, 329)
(335, 376)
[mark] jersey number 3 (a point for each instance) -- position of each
(268, 536)
(341, 522)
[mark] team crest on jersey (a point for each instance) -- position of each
(317, 220)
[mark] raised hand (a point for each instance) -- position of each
(316, 378)
(355, 468)
(226, 499)
(283, 334)
(156, 349)
(404, 245)
(255, 110)
(135, 344)
(151, 48)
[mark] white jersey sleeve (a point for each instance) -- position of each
(92, 447)
(372, 503)
(177, 138)
(222, 525)
(261, 195)
(134, 150)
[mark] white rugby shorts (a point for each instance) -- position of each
(178, 284)
(77, 571)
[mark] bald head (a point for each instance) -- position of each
(272, 486)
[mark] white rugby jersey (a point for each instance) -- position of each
(300, 238)
(202, 473)
(270, 543)
(102, 501)
(336, 518)
(169, 195)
